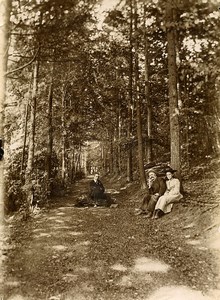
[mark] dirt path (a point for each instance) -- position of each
(107, 253)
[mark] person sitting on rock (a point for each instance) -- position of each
(157, 188)
(172, 194)
(97, 190)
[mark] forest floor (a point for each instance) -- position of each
(66, 253)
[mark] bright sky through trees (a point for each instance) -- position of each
(103, 8)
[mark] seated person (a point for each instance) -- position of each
(157, 188)
(172, 194)
(97, 189)
(1, 153)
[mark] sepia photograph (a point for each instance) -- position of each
(109, 150)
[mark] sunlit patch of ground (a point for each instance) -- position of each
(87, 287)
(42, 234)
(214, 294)
(59, 247)
(214, 243)
(84, 243)
(38, 229)
(80, 221)
(83, 269)
(52, 218)
(145, 265)
(66, 207)
(133, 280)
(75, 233)
(213, 240)
(193, 242)
(125, 281)
(202, 248)
(178, 293)
(17, 297)
(80, 247)
(61, 227)
(112, 191)
(60, 214)
(97, 232)
(84, 291)
(12, 283)
(119, 267)
(76, 296)
(59, 221)
(70, 277)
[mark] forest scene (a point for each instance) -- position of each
(113, 89)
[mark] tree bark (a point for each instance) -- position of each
(5, 10)
(63, 165)
(30, 161)
(173, 95)
(50, 137)
(130, 100)
(138, 110)
(117, 148)
(111, 155)
(25, 139)
(186, 117)
(119, 135)
(147, 93)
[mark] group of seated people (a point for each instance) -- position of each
(162, 194)
(158, 200)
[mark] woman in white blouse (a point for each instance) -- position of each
(172, 194)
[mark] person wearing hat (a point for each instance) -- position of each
(172, 194)
(97, 190)
(157, 188)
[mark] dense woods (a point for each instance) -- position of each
(140, 87)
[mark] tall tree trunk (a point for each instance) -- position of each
(119, 135)
(5, 10)
(79, 160)
(186, 117)
(50, 137)
(130, 99)
(216, 120)
(117, 131)
(138, 110)
(115, 151)
(173, 95)
(72, 164)
(50, 130)
(30, 161)
(25, 139)
(84, 161)
(63, 145)
(76, 161)
(147, 93)
(111, 155)
(104, 158)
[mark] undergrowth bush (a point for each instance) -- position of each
(16, 189)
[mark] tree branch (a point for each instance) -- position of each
(25, 65)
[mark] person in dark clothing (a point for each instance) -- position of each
(97, 189)
(1, 153)
(1, 149)
(157, 188)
